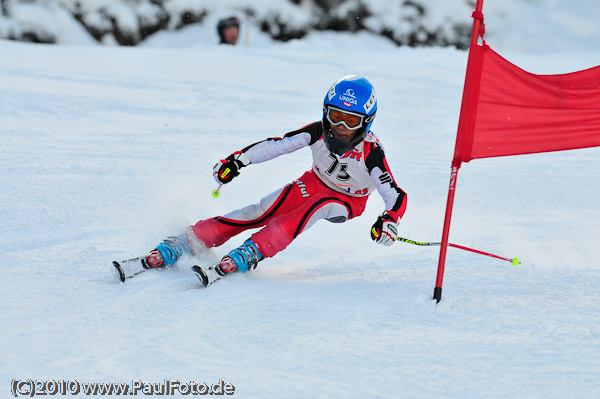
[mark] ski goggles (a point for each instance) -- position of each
(350, 120)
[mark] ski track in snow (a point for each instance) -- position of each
(107, 150)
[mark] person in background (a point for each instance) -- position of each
(229, 30)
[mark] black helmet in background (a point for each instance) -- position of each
(224, 24)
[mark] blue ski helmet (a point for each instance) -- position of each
(352, 95)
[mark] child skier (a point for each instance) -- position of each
(348, 165)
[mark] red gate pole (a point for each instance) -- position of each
(456, 162)
(437, 291)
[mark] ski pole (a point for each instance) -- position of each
(217, 191)
(514, 261)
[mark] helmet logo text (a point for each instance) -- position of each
(348, 98)
(331, 93)
(370, 102)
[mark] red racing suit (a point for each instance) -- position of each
(335, 189)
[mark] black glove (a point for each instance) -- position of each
(384, 230)
(226, 169)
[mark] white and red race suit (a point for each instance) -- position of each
(335, 189)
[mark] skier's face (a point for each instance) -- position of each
(340, 132)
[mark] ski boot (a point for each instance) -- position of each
(167, 252)
(243, 258)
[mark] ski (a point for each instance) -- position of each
(208, 275)
(130, 267)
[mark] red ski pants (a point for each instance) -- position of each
(284, 214)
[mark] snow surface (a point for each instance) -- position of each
(107, 150)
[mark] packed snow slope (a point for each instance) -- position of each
(106, 151)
